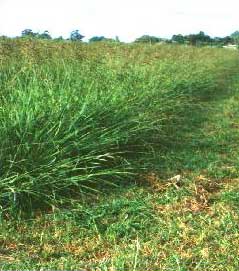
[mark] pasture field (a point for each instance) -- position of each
(118, 157)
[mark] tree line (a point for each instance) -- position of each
(74, 36)
(199, 39)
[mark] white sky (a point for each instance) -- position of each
(128, 19)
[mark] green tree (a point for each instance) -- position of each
(235, 37)
(28, 33)
(60, 38)
(198, 39)
(45, 35)
(76, 36)
(117, 39)
(191, 39)
(148, 39)
(97, 38)
(203, 38)
(227, 40)
(178, 38)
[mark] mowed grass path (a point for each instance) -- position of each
(190, 222)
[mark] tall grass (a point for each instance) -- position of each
(74, 117)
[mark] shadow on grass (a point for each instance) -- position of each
(183, 145)
(186, 146)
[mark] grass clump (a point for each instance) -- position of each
(76, 117)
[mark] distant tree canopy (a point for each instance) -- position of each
(192, 39)
(117, 39)
(148, 39)
(45, 35)
(102, 38)
(59, 38)
(76, 36)
(3, 37)
(28, 33)
(196, 39)
(199, 39)
(97, 38)
(235, 37)
(178, 38)
(223, 41)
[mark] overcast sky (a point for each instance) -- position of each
(126, 18)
